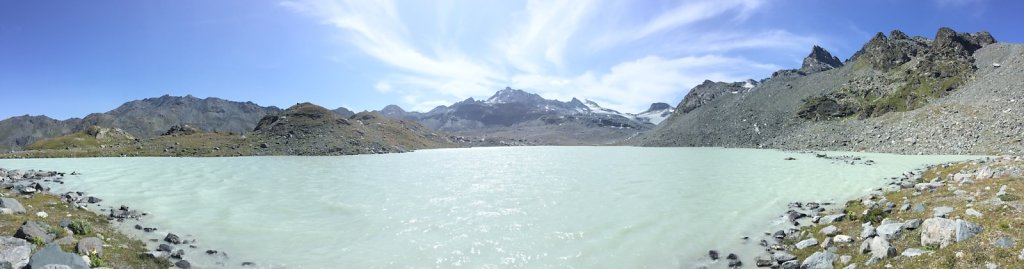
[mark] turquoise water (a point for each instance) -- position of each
(520, 207)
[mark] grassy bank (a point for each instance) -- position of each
(119, 250)
(970, 188)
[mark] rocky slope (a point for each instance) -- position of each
(954, 94)
(141, 118)
(528, 118)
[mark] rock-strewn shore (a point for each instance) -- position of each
(39, 228)
(954, 215)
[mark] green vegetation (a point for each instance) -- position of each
(75, 140)
(80, 227)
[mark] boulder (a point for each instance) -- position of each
(972, 212)
(183, 264)
(890, 230)
(53, 255)
(881, 248)
(16, 251)
(912, 224)
(794, 264)
(783, 256)
(867, 231)
(842, 238)
(941, 232)
(819, 260)
(830, 230)
(12, 204)
(90, 245)
(918, 208)
(711, 254)
(764, 261)
(172, 238)
(806, 243)
(965, 230)
(831, 218)
(942, 211)
(33, 232)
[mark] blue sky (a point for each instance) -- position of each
(70, 58)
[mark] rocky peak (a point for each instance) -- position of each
(898, 35)
(302, 114)
(392, 109)
(886, 53)
(953, 44)
(709, 90)
(819, 60)
(658, 106)
(509, 95)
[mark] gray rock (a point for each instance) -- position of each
(53, 255)
(794, 264)
(806, 243)
(783, 256)
(16, 251)
(90, 245)
(842, 239)
(764, 261)
(868, 231)
(831, 218)
(912, 224)
(942, 211)
(865, 246)
(889, 231)
(13, 204)
(172, 238)
(965, 230)
(34, 231)
(851, 266)
(93, 200)
(845, 259)
(905, 207)
(1004, 242)
(183, 264)
(819, 260)
(63, 241)
(6, 264)
(830, 230)
(881, 248)
(938, 232)
(918, 208)
(941, 232)
(972, 212)
(912, 252)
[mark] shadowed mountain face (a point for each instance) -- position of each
(142, 118)
(517, 114)
(953, 94)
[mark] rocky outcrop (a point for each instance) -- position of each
(709, 90)
(819, 60)
(898, 94)
(182, 129)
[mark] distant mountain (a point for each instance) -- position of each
(152, 116)
(145, 118)
(19, 132)
(303, 129)
(514, 113)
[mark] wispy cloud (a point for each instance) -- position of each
(376, 28)
(534, 48)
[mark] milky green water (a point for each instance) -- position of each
(521, 207)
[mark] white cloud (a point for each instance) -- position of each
(683, 15)
(375, 27)
(547, 29)
(632, 86)
(382, 87)
(529, 50)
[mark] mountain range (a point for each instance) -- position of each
(955, 93)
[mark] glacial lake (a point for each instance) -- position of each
(518, 207)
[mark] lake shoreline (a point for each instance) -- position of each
(25, 191)
(822, 235)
